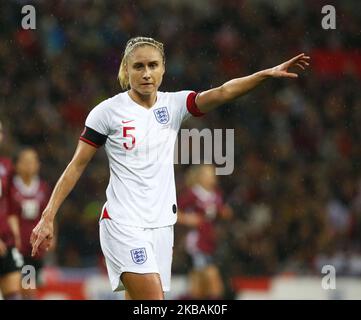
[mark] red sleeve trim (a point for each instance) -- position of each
(192, 106)
(89, 142)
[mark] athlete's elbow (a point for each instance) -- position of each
(213, 98)
(225, 94)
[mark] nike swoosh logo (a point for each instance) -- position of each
(127, 121)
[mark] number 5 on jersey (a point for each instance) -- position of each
(126, 134)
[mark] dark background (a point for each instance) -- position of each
(296, 187)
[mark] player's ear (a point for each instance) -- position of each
(126, 70)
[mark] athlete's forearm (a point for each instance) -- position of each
(62, 188)
(14, 225)
(230, 90)
(237, 87)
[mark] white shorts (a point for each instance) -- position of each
(138, 250)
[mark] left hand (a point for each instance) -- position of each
(42, 236)
(281, 71)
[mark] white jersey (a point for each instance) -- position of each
(140, 147)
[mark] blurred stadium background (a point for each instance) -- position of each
(296, 187)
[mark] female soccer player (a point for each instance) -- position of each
(201, 206)
(28, 197)
(138, 128)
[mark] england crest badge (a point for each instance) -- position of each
(162, 115)
(139, 255)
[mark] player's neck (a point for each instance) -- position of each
(146, 101)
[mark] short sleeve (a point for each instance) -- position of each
(97, 126)
(186, 105)
(98, 119)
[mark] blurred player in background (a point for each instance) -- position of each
(29, 195)
(139, 128)
(11, 260)
(200, 206)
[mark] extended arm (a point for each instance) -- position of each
(210, 99)
(44, 231)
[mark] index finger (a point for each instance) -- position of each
(36, 245)
(32, 237)
(296, 58)
(301, 57)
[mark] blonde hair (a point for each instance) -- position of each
(131, 45)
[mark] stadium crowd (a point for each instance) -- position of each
(296, 187)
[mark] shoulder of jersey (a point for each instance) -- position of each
(166, 94)
(121, 98)
(174, 94)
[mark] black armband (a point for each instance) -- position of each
(92, 137)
